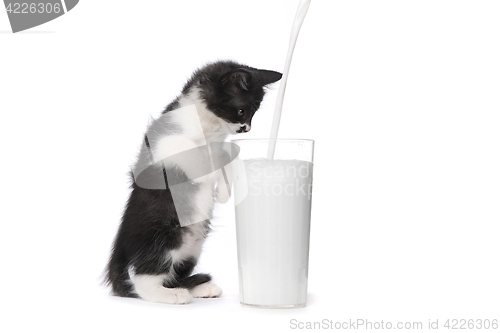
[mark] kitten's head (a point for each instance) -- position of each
(233, 92)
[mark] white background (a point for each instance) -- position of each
(402, 98)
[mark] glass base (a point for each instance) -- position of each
(283, 306)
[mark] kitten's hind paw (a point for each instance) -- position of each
(206, 290)
(169, 296)
(150, 288)
(179, 296)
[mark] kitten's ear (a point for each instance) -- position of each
(238, 79)
(264, 77)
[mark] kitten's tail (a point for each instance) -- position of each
(117, 276)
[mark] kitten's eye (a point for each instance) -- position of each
(241, 112)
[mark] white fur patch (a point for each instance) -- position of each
(168, 149)
(192, 242)
(214, 128)
(150, 288)
(235, 127)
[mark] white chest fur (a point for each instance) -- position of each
(196, 127)
(213, 128)
(192, 241)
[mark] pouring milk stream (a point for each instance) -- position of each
(297, 24)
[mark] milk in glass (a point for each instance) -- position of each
(272, 224)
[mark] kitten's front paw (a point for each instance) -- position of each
(224, 184)
(222, 193)
(206, 290)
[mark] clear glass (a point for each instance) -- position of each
(273, 215)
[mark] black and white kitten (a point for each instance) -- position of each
(166, 219)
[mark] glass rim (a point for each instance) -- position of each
(269, 139)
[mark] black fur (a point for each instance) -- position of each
(150, 224)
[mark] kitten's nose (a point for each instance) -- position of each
(245, 128)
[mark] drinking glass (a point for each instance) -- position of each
(273, 215)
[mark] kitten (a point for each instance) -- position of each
(174, 185)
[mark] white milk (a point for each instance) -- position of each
(272, 228)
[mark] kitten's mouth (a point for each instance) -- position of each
(243, 129)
